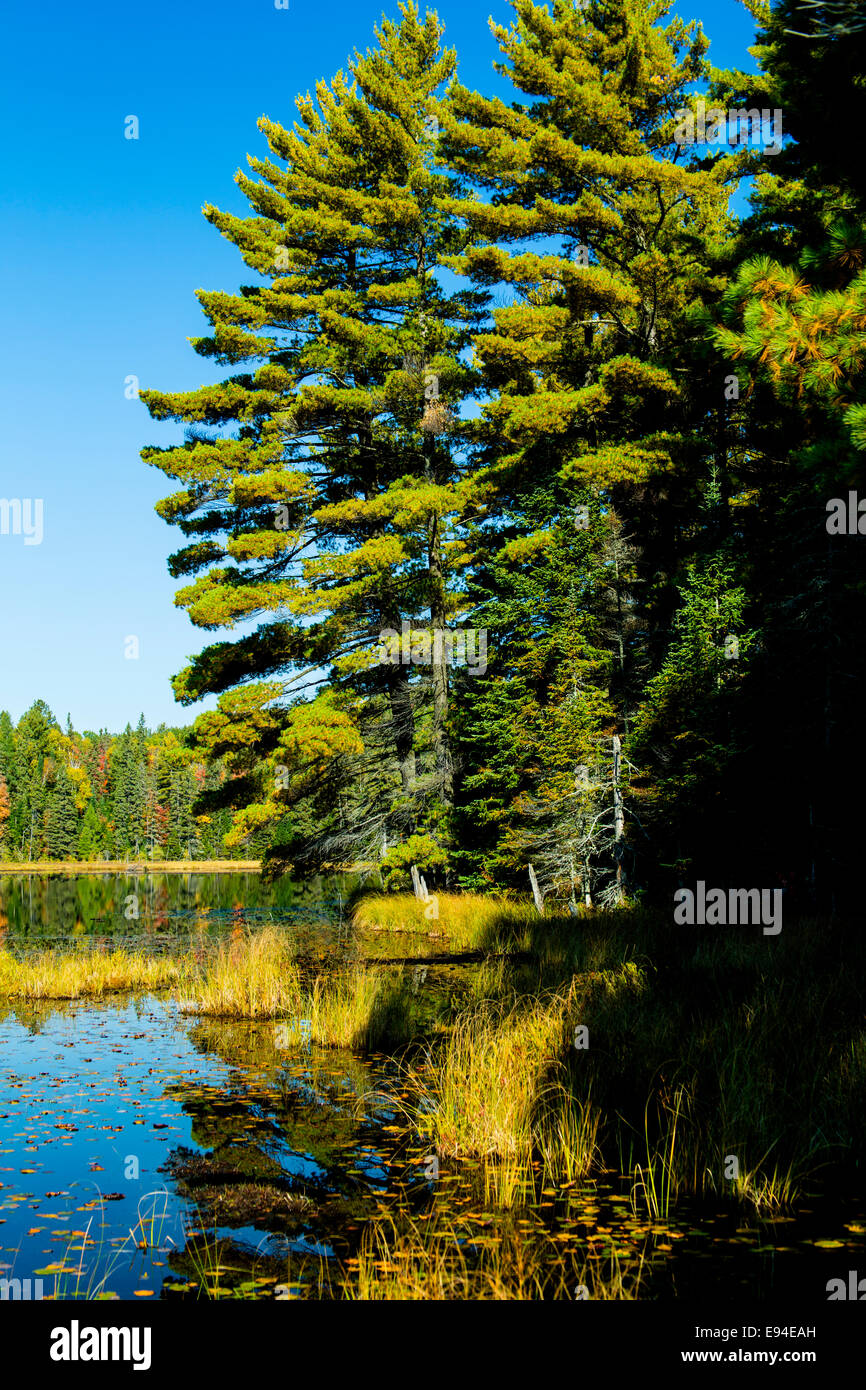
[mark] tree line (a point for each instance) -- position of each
(510, 363)
(101, 796)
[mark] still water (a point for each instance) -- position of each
(145, 1153)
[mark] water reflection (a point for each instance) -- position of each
(158, 909)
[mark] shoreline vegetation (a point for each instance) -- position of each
(134, 866)
(698, 1063)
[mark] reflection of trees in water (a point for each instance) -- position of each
(42, 906)
(287, 1124)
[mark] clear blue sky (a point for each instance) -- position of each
(102, 245)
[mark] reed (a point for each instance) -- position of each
(434, 1259)
(75, 974)
(251, 976)
(468, 920)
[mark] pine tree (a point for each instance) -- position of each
(605, 236)
(793, 323)
(340, 502)
(90, 838)
(62, 826)
(33, 753)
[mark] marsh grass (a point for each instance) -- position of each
(701, 1046)
(75, 974)
(468, 920)
(656, 1180)
(257, 977)
(435, 1259)
(480, 1086)
(431, 1257)
(361, 1008)
(254, 975)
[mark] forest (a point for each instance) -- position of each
(98, 796)
(513, 376)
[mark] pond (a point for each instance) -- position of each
(147, 1153)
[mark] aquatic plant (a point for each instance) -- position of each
(74, 974)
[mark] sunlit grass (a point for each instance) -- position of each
(257, 977)
(700, 1049)
(435, 1259)
(482, 1084)
(74, 974)
(251, 976)
(497, 1088)
(366, 1009)
(467, 920)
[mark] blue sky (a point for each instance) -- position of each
(102, 246)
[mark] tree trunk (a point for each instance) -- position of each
(618, 817)
(403, 724)
(439, 659)
(536, 892)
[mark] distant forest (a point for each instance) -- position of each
(92, 796)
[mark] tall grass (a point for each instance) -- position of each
(468, 920)
(366, 1009)
(74, 974)
(433, 1259)
(257, 977)
(497, 1088)
(656, 1179)
(481, 1085)
(252, 976)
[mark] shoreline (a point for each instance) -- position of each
(138, 866)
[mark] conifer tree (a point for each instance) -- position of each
(62, 827)
(33, 753)
(338, 506)
(793, 322)
(606, 236)
(90, 837)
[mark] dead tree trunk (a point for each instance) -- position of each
(618, 817)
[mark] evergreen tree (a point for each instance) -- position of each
(606, 236)
(90, 838)
(794, 326)
(340, 506)
(33, 751)
(62, 827)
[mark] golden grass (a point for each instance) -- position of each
(256, 977)
(251, 976)
(137, 866)
(362, 1008)
(466, 919)
(429, 1260)
(485, 1079)
(72, 975)
(497, 1089)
